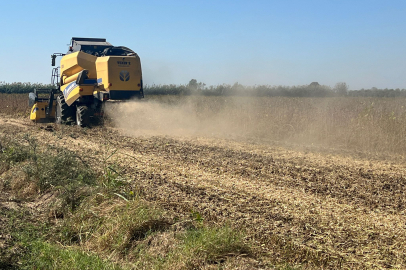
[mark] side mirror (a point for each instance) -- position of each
(31, 99)
(53, 59)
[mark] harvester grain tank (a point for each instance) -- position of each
(90, 73)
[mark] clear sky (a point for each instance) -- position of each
(291, 42)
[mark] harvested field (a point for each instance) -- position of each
(14, 104)
(373, 125)
(313, 183)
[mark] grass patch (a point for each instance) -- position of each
(44, 168)
(144, 236)
(108, 226)
(190, 249)
(28, 249)
(210, 245)
(43, 255)
(108, 223)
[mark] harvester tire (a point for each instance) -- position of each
(82, 116)
(64, 114)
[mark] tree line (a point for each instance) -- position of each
(313, 89)
(198, 88)
(21, 87)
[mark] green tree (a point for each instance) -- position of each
(341, 88)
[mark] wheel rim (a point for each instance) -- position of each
(78, 118)
(58, 113)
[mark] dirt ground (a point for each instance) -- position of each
(298, 203)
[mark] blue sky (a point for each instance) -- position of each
(362, 43)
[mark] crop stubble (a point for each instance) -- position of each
(310, 208)
(302, 206)
(264, 194)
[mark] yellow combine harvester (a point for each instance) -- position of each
(91, 72)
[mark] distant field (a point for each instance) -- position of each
(376, 125)
(14, 104)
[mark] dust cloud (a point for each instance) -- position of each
(227, 117)
(354, 124)
(184, 116)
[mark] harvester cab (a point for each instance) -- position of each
(90, 73)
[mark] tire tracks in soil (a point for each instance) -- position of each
(297, 205)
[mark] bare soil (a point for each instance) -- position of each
(300, 205)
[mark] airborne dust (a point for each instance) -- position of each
(184, 116)
(373, 125)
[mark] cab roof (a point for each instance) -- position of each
(90, 41)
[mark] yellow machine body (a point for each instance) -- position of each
(72, 64)
(117, 73)
(73, 91)
(91, 72)
(38, 112)
(120, 76)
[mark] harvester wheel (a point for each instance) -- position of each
(64, 114)
(82, 116)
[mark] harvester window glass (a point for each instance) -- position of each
(93, 50)
(106, 50)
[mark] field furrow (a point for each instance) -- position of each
(308, 208)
